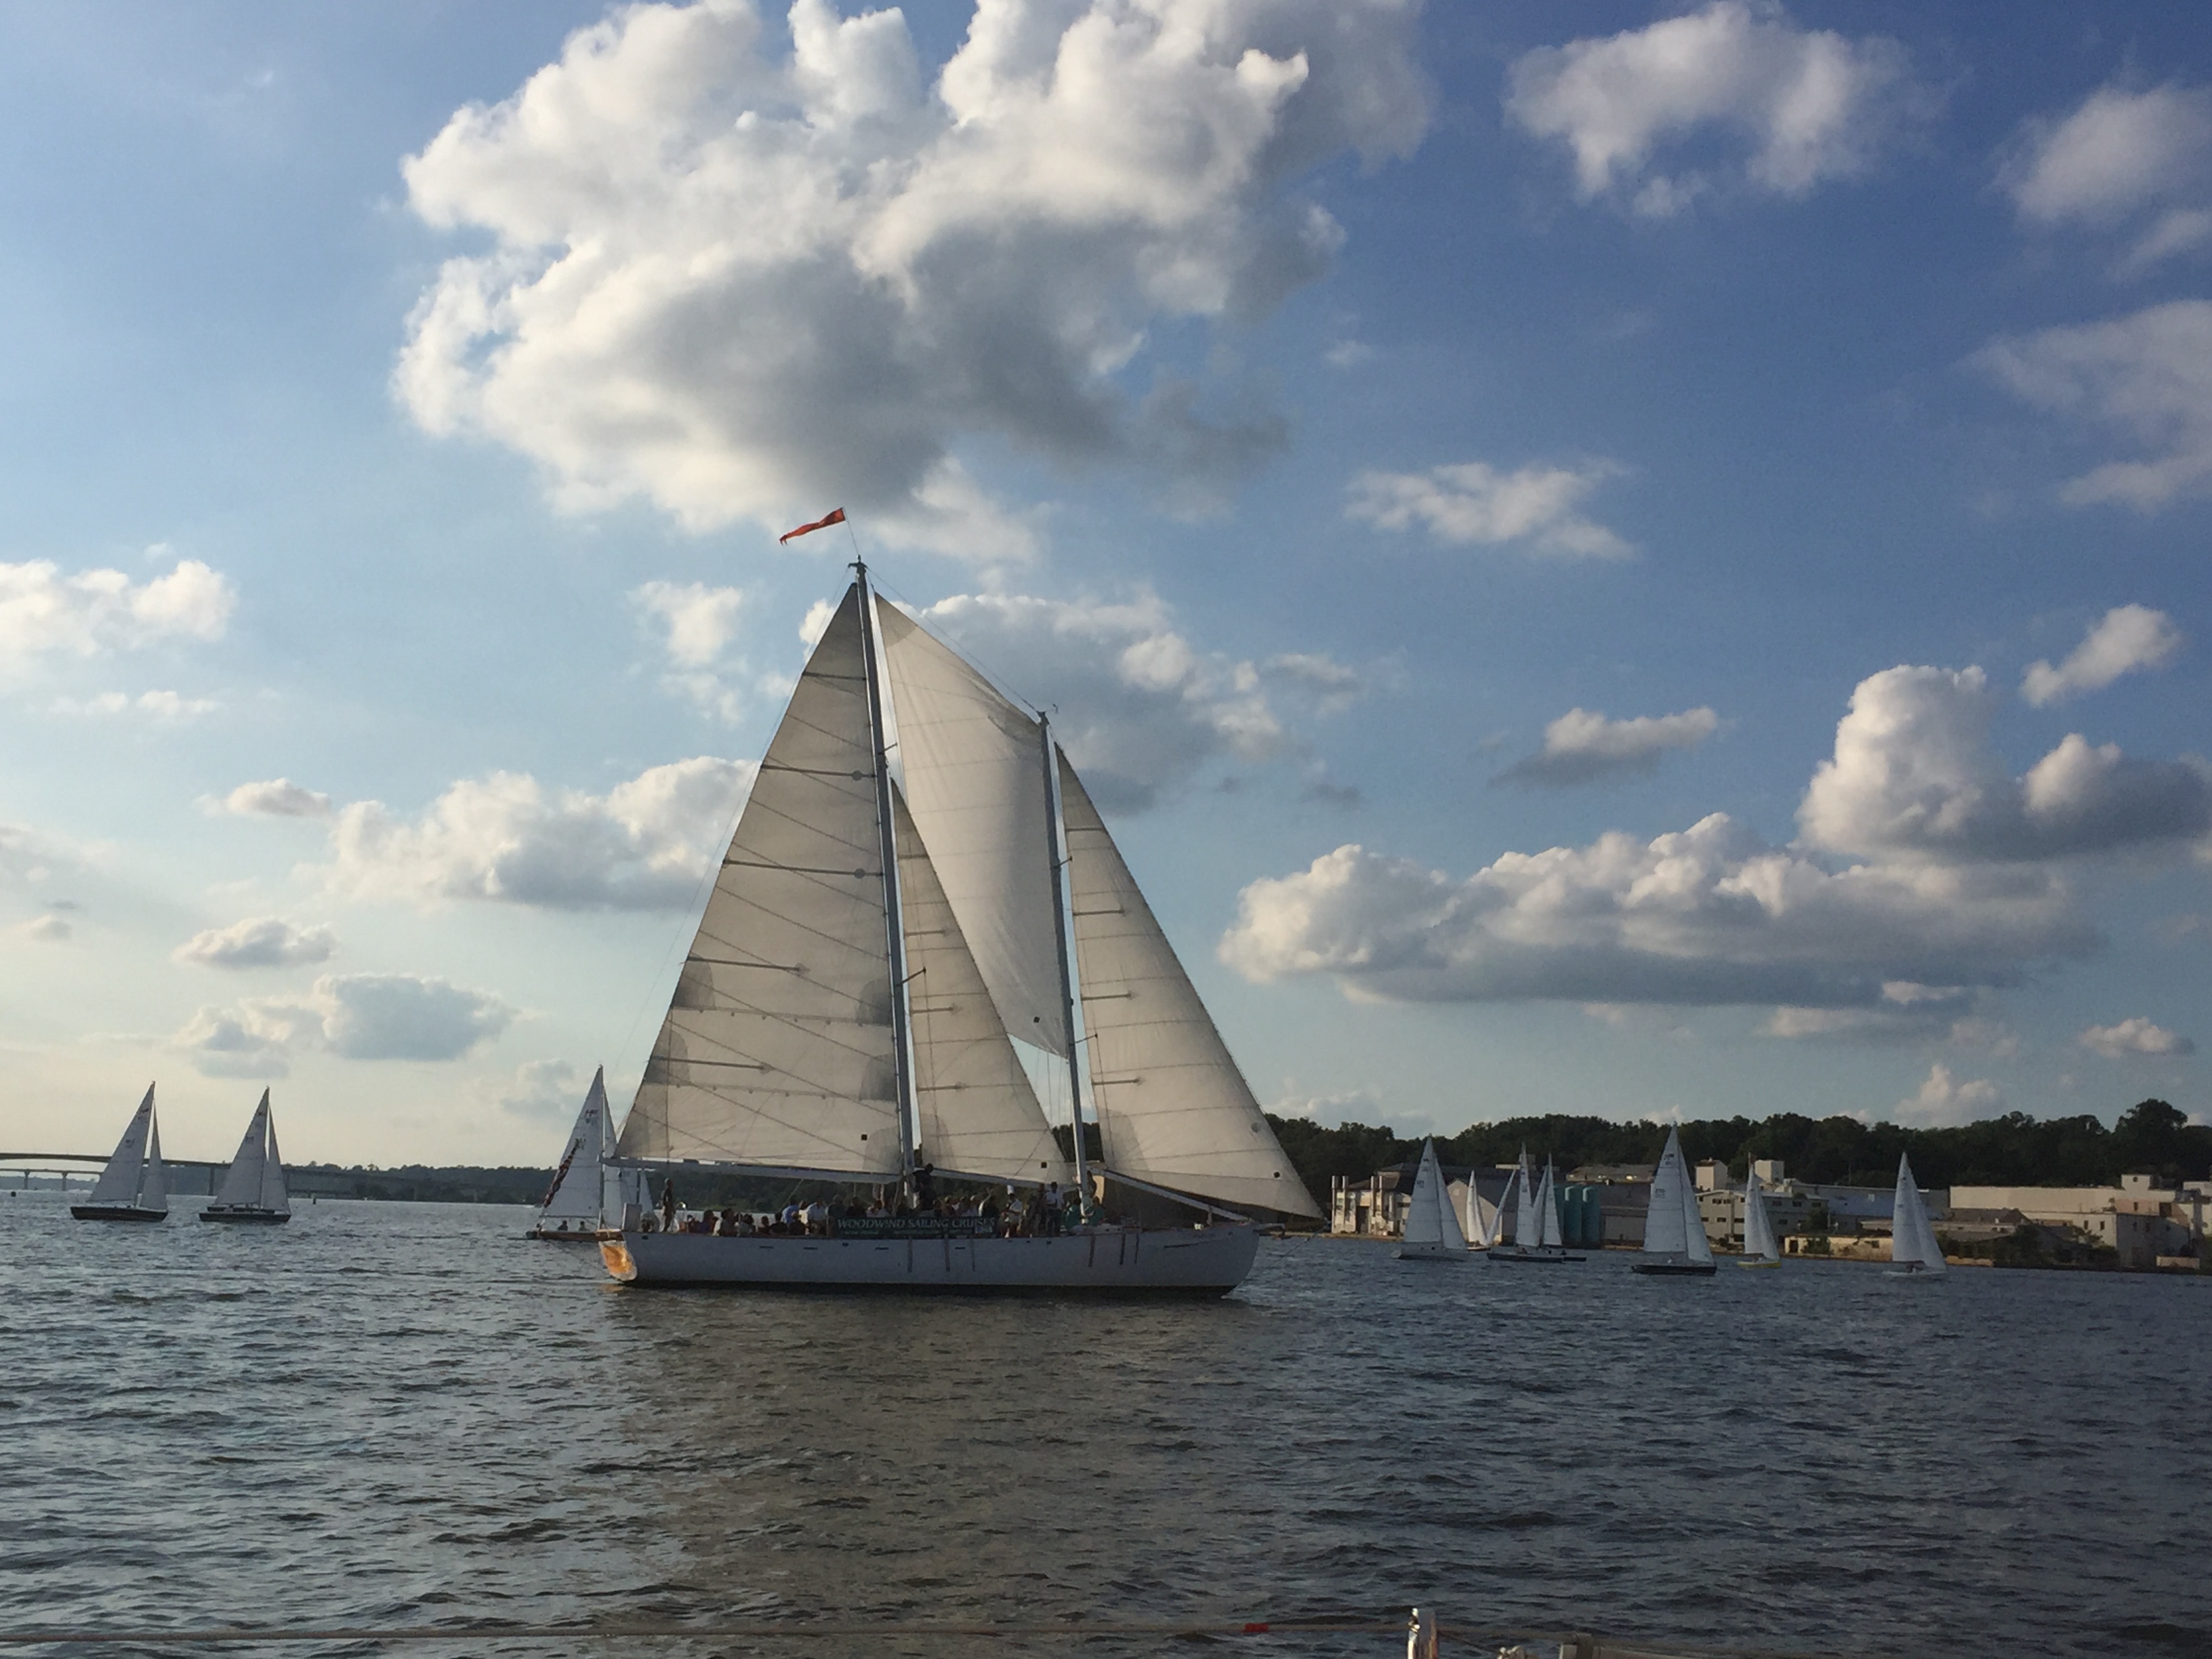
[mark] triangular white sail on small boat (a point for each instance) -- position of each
(133, 1185)
(1481, 1218)
(1758, 1241)
(1527, 1232)
(1431, 1228)
(1674, 1239)
(1913, 1241)
(253, 1188)
(1549, 1236)
(573, 1202)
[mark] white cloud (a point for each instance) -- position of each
(258, 942)
(1140, 708)
(698, 623)
(276, 798)
(1347, 1106)
(2149, 374)
(44, 613)
(49, 929)
(550, 1090)
(1943, 1101)
(2134, 1038)
(1913, 774)
(352, 1016)
(1537, 506)
(2117, 158)
(746, 286)
(816, 622)
(643, 845)
(1707, 916)
(1785, 108)
(163, 708)
(1582, 745)
(2124, 640)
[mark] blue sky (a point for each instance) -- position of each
(1540, 523)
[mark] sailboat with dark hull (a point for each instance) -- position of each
(134, 1186)
(253, 1191)
(1675, 1242)
(884, 942)
(571, 1210)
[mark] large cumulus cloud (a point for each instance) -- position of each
(745, 284)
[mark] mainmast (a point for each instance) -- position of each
(1060, 942)
(893, 926)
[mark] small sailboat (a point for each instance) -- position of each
(1431, 1231)
(1760, 1247)
(1912, 1246)
(253, 1188)
(133, 1187)
(1675, 1242)
(570, 1213)
(1536, 1235)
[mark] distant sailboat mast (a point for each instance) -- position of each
(1059, 866)
(902, 1069)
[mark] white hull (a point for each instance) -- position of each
(1208, 1260)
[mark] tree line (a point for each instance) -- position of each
(2014, 1150)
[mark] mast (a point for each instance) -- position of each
(894, 928)
(1066, 975)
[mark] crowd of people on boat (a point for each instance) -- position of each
(1043, 1212)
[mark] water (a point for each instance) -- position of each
(404, 1414)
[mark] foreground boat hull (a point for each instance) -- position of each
(1189, 1262)
(116, 1213)
(245, 1215)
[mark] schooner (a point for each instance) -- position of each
(893, 915)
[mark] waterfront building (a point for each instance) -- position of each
(2142, 1221)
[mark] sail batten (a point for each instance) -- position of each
(1172, 1106)
(778, 1048)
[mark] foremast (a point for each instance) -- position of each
(894, 928)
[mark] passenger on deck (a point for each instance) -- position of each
(668, 1205)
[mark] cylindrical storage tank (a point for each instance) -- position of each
(1593, 1230)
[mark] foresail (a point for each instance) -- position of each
(118, 1182)
(241, 1182)
(1425, 1210)
(977, 1111)
(1757, 1225)
(1173, 1109)
(1548, 1212)
(1524, 1205)
(777, 1047)
(575, 1191)
(154, 1183)
(1664, 1233)
(1911, 1238)
(973, 765)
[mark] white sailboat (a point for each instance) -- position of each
(1536, 1235)
(570, 1212)
(253, 1188)
(1912, 1246)
(1674, 1241)
(1760, 1247)
(1483, 1223)
(1431, 1231)
(134, 1187)
(877, 940)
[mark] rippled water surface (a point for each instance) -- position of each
(405, 1415)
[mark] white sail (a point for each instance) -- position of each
(1548, 1212)
(976, 1110)
(1430, 1222)
(1913, 1241)
(1173, 1109)
(1666, 1231)
(1759, 1238)
(1479, 1216)
(275, 1195)
(575, 1195)
(1526, 1231)
(777, 1047)
(974, 770)
(154, 1180)
(241, 1182)
(119, 1181)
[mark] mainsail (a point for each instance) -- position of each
(1173, 1109)
(974, 770)
(1674, 1226)
(575, 1195)
(1525, 1230)
(1548, 1212)
(125, 1181)
(779, 1049)
(1759, 1240)
(977, 1113)
(1913, 1241)
(1430, 1219)
(249, 1181)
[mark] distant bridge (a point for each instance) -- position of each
(188, 1176)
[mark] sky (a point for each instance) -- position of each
(1614, 559)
